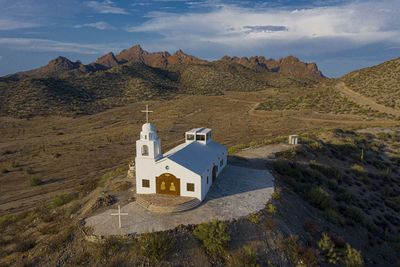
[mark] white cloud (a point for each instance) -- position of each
(106, 7)
(13, 24)
(45, 45)
(100, 25)
(335, 27)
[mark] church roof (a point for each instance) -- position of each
(195, 156)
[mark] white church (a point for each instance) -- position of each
(187, 170)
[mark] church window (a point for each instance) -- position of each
(145, 136)
(145, 150)
(190, 187)
(200, 137)
(145, 183)
(221, 163)
(207, 179)
(167, 167)
(190, 137)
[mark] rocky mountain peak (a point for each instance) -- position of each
(108, 60)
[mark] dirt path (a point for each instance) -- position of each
(365, 101)
(261, 113)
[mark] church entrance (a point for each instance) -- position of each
(214, 173)
(168, 184)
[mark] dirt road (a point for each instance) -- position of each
(365, 101)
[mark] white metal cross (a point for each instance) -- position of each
(147, 111)
(119, 214)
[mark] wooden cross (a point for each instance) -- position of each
(147, 111)
(119, 214)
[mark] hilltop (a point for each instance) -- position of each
(68, 88)
(379, 82)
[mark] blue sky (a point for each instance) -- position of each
(339, 35)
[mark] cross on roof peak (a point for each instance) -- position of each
(147, 111)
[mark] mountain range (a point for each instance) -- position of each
(69, 88)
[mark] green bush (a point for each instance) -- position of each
(271, 208)
(354, 214)
(155, 247)
(358, 168)
(334, 216)
(104, 178)
(35, 181)
(254, 218)
(328, 249)
(214, 236)
(318, 197)
(7, 219)
(246, 258)
(276, 194)
(352, 257)
(62, 199)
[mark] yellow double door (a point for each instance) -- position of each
(168, 184)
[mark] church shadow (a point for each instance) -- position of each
(240, 176)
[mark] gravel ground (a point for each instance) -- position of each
(239, 191)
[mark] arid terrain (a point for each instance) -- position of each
(55, 166)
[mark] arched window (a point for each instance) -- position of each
(145, 150)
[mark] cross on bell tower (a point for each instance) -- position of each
(147, 111)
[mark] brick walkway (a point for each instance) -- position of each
(239, 191)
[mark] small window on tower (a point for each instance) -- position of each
(145, 150)
(190, 187)
(200, 137)
(190, 137)
(221, 163)
(145, 183)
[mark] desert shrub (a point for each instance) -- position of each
(59, 240)
(282, 167)
(271, 208)
(328, 249)
(298, 254)
(35, 181)
(346, 196)
(24, 244)
(270, 224)
(247, 257)
(254, 218)
(358, 168)
(318, 197)
(104, 178)
(353, 213)
(214, 236)
(235, 148)
(276, 194)
(62, 199)
(155, 247)
(394, 203)
(111, 246)
(334, 216)
(352, 257)
(7, 219)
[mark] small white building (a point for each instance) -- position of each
(186, 170)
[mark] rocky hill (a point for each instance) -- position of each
(379, 82)
(66, 88)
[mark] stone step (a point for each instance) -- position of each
(168, 209)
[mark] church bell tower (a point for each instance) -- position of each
(149, 145)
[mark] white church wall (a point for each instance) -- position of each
(185, 176)
(145, 170)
